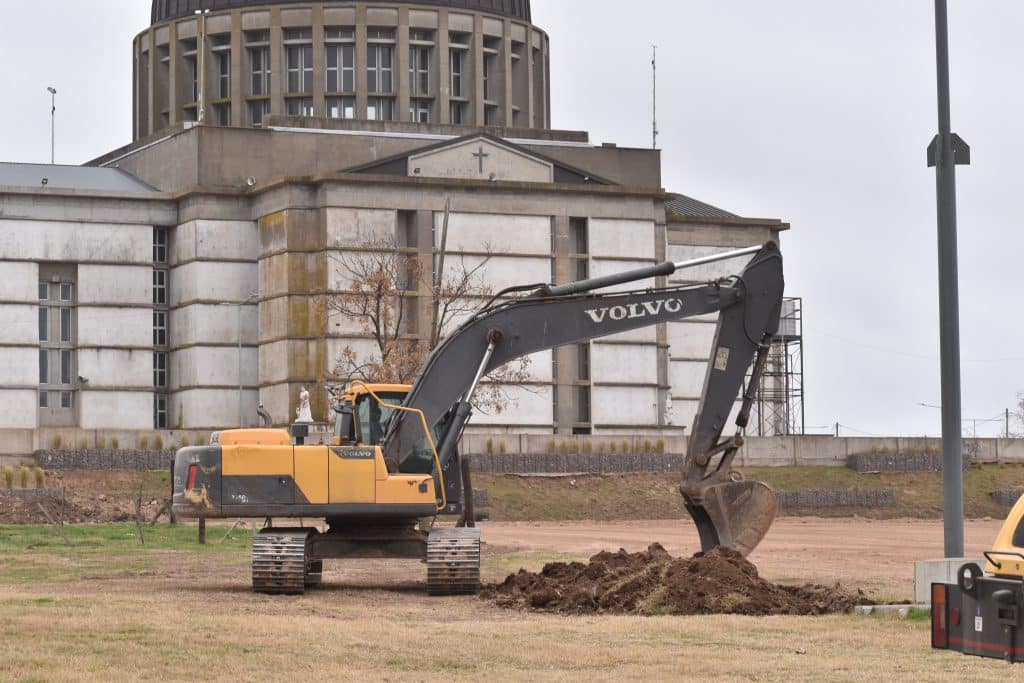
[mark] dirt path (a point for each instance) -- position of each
(877, 555)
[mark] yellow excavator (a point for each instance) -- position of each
(393, 464)
(983, 612)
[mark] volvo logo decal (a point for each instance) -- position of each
(643, 309)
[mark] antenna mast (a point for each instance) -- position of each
(654, 97)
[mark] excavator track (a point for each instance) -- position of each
(281, 564)
(453, 561)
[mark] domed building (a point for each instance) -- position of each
(236, 62)
(169, 287)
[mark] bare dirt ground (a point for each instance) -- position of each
(180, 612)
(876, 555)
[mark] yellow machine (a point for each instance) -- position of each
(393, 465)
(983, 612)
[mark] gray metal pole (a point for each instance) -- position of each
(241, 410)
(53, 125)
(949, 302)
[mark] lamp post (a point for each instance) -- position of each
(946, 151)
(53, 120)
(201, 65)
(251, 298)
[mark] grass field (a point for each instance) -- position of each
(656, 496)
(108, 608)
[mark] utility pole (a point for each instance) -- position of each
(654, 96)
(1007, 423)
(945, 152)
(53, 123)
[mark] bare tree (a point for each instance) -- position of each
(380, 295)
(383, 282)
(1017, 412)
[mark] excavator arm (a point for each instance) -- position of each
(727, 511)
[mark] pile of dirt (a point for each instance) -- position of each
(653, 582)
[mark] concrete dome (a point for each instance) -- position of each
(174, 9)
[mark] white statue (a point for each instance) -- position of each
(667, 415)
(302, 413)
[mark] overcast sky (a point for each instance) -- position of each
(817, 113)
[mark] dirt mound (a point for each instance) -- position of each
(653, 582)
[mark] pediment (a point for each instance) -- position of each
(480, 158)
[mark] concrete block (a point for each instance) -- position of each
(1010, 450)
(927, 572)
(820, 450)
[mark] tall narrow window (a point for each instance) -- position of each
(340, 55)
(456, 68)
(258, 55)
(420, 50)
(258, 48)
(161, 317)
(298, 61)
(380, 57)
(58, 374)
(222, 61)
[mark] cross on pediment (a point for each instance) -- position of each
(481, 155)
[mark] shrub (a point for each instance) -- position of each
(501, 447)
(551, 446)
(144, 443)
(23, 477)
(158, 442)
(184, 440)
(600, 448)
(648, 446)
(611, 448)
(587, 447)
(625, 448)
(101, 442)
(114, 443)
(83, 444)
(57, 441)
(659, 446)
(490, 447)
(8, 477)
(40, 477)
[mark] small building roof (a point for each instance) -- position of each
(86, 178)
(688, 206)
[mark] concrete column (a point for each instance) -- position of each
(505, 111)
(152, 116)
(477, 57)
(361, 84)
(277, 74)
(238, 106)
(319, 63)
(660, 251)
(425, 246)
(442, 68)
(564, 356)
(401, 65)
(173, 103)
(528, 59)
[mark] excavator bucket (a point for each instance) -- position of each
(734, 514)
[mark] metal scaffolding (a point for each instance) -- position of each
(779, 408)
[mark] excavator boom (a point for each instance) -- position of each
(727, 511)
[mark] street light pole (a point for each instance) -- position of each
(201, 66)
(945, 152)
(53, 122)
